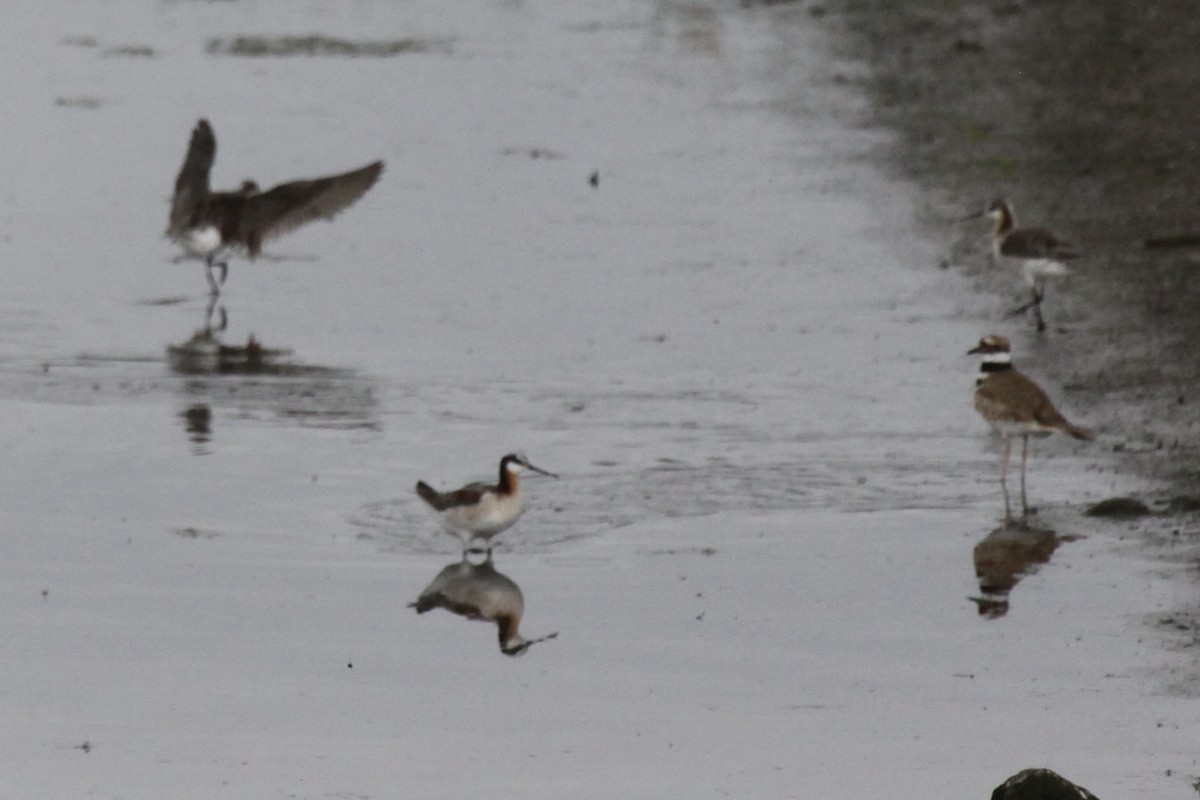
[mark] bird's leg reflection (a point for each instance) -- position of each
(209, 328)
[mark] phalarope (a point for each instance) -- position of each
(479, 510)
(1015, 406)
(208, 224)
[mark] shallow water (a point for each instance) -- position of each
(736, 332)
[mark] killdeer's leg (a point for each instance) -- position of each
(1038, 293)
(1024, 459)
(1004, 477)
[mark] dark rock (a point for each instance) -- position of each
(1183, 504)
(1040, 784)
(1119, 508)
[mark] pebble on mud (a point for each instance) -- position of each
(1119, 508)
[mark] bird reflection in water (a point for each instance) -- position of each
(197, 420)
(205, 354)
(478, 591)
(1006, 555)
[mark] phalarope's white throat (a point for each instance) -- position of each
(479, 510)
(478, 591)
(1015, 406)
(209, 224)
(1036, 253)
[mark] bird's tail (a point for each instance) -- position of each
(1081, 433)
(429, 495)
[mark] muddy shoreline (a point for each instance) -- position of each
(1083, 114)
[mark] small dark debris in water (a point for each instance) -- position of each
(1165, 242)
(1119, 508)
(575, 408)
(1183, 504)
(962, 45)
(1177, 624)
(532, 152)
(77, 102)
(80, 41)
(85, 747)
(318, 45)
(594, 179)
(45, 593)
(194, 533)
(130, 51)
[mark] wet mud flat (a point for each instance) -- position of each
(1083, 114)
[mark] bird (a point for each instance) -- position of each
(208, 224)
(1015, 406)
(1036, 253)
(479, 510)
(479, 592)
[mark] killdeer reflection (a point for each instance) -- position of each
(479, 510)
(478, 591)
(1015, 406)
(209, 224)
(1036, 253)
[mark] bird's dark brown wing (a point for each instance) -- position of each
(1036, 243)
(468, 495)
(1011, 397)
(191, 185)
(290, 205)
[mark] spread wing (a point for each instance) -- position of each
(1037, 243)
(191, 185)
(289, 205)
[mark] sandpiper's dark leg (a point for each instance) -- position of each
(1038, 294)
(214, 284)
(214, 287)
(1024, 460)
(1035, 303)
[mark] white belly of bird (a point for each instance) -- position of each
(1013, 428)
(202, 242)
(491, 515)
(1037, 270)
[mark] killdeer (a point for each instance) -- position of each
(478, 591)
(1015, 406)
(479, 510)
(1036, 253)
(209, 224)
